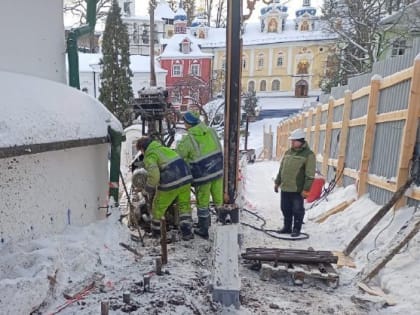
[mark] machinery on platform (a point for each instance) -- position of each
(158, 120)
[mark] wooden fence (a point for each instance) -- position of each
(320, 120)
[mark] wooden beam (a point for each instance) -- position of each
(358, 121)
(316, 132)
(351, 173)
(338, 208)
(344, 135)
(381, 183)
(377, 217)
(309, 126)
(369, 135)
(337, 125)
(410, 129)
(361, 92)
(391, 116)
(397, 77)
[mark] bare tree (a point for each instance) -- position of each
(189, 7)
(221, 13)
(208, 8)
(362, 35)
(77, 8)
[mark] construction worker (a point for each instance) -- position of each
(201, 149)
(168, 180)
(295, 177)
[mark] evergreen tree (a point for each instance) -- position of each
(116, 91)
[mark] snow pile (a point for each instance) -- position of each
(35, 111)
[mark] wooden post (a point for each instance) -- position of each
(309, 127)
(104, 307)
(158, 266)
(375, 219)
(344, 135)
(410, 129)
(327, 141)
(163, 241)
(392, 252)
(369, 140)
(316, 131)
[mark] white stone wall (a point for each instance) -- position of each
(44, 193)
(32, 35)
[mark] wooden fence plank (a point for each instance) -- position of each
(369, 136)
(410, 130)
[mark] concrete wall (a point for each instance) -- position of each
(32, 34)
(43, 193)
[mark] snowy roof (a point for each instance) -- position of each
(254, 36)
(37, 111)
(180, 15)
(138, 64)
(164, 11)
(306, 9)
(172, 48)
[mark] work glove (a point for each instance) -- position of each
(276, 188)
(305, 194)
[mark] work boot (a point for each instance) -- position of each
(185, 225)
(203, 223)
(297, 225)
(287, 226)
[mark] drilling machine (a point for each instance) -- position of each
(158, 120)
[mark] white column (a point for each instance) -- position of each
(290, 61)
(270, 61)
(32, 34)
(251, 61)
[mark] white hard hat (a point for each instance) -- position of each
(297, 134)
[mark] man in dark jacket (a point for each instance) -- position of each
(168, 179)
(295, 177)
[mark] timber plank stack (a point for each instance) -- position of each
(298, 263)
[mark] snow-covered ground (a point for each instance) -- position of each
(34, 274)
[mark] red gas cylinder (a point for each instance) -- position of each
(316, 189)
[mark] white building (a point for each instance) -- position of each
(53, 138)
(140, 66)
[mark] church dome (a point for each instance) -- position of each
(276, 6)
(180, 15)
(308, 10)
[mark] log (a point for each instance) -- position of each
(83, 286)
(377, 217)
(104, 307)
(378, 292)
(339, 208)
(290, 256)
(392, 252)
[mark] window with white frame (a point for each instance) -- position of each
(195, 69)
(398, 47)
(260, 61)
(280, 60)
(176, 70)
(186, 47)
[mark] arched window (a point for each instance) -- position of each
(275, 85)
(304, 26)
(280, 60)
(244, 62)
(261, 61)
(263, 85)
(251, 86)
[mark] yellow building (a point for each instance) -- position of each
(279, 54)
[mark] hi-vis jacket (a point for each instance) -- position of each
(201, 149)
(166, 170)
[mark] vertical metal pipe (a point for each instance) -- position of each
(232, 100)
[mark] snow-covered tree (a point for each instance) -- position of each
(362, 37)
(115, 91)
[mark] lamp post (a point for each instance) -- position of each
(95, 68)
